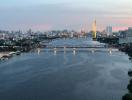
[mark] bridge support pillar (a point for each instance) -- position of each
(74, 51)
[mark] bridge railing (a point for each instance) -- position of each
(76, 46)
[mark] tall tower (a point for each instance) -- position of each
(94, 30)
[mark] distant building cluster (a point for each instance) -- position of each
(126, 36)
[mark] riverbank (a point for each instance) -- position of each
(127, 48)
(7, 55)
(114, 42)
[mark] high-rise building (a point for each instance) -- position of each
(109, 30)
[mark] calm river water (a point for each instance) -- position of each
(65, 76)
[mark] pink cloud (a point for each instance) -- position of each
(120, 28)
(126, 21)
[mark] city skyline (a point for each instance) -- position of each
(57, 14)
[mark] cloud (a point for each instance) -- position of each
(66, 14)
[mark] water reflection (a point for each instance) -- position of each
(93, 50)
(64, 58)
(110, 51)
(55, 51)
(64, 50)
(85, 76)
(38, 51)
(128, 96)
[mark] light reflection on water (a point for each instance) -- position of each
(65, 76)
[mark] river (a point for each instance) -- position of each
(65, 75)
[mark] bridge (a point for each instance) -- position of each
(75, 46)
(78, 48)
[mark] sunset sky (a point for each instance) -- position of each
(45, 15)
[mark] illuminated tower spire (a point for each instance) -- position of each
(94, 30)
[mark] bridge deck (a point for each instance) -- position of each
(75, 47)
(79, 49)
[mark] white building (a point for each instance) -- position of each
(109, 30)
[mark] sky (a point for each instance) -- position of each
(43, 15)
